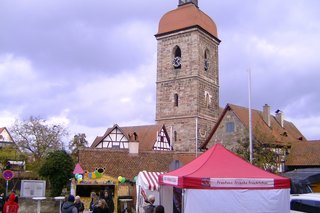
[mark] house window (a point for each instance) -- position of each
(230, 127)
(176, 99)
(175, 135)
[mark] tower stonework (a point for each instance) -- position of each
(187, 96)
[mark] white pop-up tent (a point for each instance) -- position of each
(147, 183)
(220, 181)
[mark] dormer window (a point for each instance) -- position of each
(177, 58)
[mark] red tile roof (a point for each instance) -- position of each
(120, 162)
(304, 154)
(275, 134)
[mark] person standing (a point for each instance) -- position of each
(69, 207)
(79, 204)
(109, 200)
(159, 209)
(94, 201)
(149, 207)
(11, 206)
(2, 201)
(101, 207)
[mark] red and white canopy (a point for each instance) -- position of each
(149, 180)
(218, 168)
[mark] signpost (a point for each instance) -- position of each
(7, 175)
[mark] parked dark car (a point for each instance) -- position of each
(305, 202)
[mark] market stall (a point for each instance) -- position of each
(228, 183)
(146, 184)
(86, 182)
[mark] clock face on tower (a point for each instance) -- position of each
(176, 62)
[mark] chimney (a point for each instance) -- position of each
(133, 147)
(279, 117)
(266, 114)
(133, 143)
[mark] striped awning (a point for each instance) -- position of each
(149, 180)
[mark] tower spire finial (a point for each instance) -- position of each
(182, 2)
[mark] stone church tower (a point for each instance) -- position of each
(187, 84)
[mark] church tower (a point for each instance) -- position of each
(187, 83)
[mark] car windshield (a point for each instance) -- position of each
(299, 188)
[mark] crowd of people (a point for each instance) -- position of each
(9, 204)
(102, 203)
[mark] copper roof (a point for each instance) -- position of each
(285, 135)
(184, 17)
(147, 135)
(304, 154)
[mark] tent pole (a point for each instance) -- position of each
(182, 201)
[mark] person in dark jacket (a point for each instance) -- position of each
(159, 209)
(79, 204)
(69, 207)
(2, 201)
(149, 207)
(109, 200)
(94, 200)
(101, 207)
(64, 201)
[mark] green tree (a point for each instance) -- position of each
(78, 141)
(263, 155)
(37, 137)
(57, 169)
(10, 153)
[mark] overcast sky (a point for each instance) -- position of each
(90, 64)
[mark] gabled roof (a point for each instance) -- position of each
(3, 131)
(285, 135)
(147, 135)
(304, 154)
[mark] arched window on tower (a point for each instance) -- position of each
(176, 100)
(177, 58)
(207, 100)
(206, 59)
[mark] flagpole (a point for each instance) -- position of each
(196, 136)
(250, 118)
